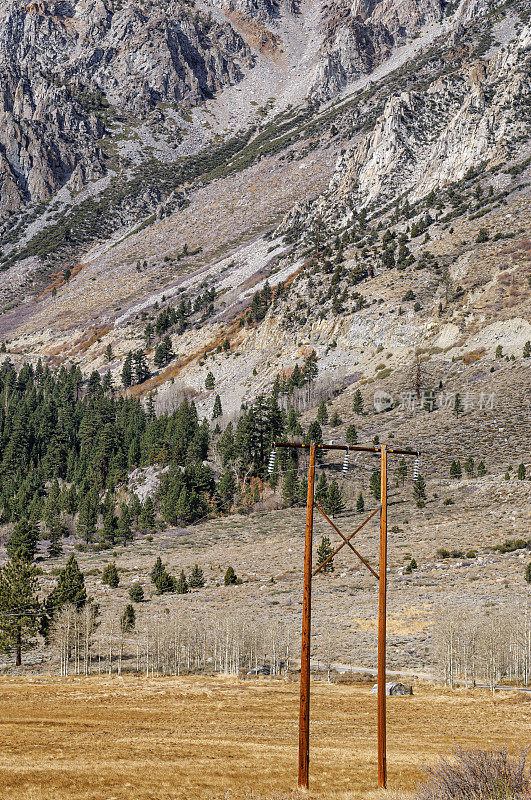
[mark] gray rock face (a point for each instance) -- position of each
(400, 17)
(352, 48)
(69, 69)
(424, 140)
(362, 33)
(263, 10)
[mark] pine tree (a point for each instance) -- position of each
(127, 371)
(217, 411)
(455, 469)
(19, 606)
(52, 506)
(196, 580)
(209, 381)
(481, 469)
(360, 504)
(110, 576)
(157, 570)
(322, 414)
(334, 499)
(168, 349)
(292, 423)
(70, 587)
(147, 517)
(124, 531)
(419, 490)
(182, 584)
(70, 500)
(290, 485)
(469, 466)
(357, 405)
(136, 593)
(136, 509)
(150, 406)
(335, 420)
(159, 359)
(128, 619)
(230, 577)
(107, 384)
(375, 484)
(521, 472)
(22, 543)
(352, 435)
(321, 490)
(323, 552)
(302, 492)
(165, 583)
(458, 405)
(140, 367)
(315, 433)
(109, 528)
(86, 523)
(108, 353)
(402, 470)
(527, 349)
(182, 508)
(55, 548)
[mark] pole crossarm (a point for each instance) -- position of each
(350, 447)
(346, 541)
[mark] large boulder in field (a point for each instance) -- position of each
(393, 687)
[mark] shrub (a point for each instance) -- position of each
(477, 775)
(110, 576)
(351, 435)
(230, 577)
(136, 593)
(510, 545)
(335, 420)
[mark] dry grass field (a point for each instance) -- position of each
(198, 737)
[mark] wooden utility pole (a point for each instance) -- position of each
(382, 600)
(304, 712)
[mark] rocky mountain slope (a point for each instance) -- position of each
(355, 154)
(229, 186)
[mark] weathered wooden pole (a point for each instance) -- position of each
(304, 712)
(382, 599)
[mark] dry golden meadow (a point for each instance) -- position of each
(200, 737)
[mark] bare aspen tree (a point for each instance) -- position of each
(485, 647)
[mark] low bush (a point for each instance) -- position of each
(478, 775)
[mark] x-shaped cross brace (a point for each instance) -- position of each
(346, 541)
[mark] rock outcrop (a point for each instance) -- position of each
(424, 140)
(70, 70)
